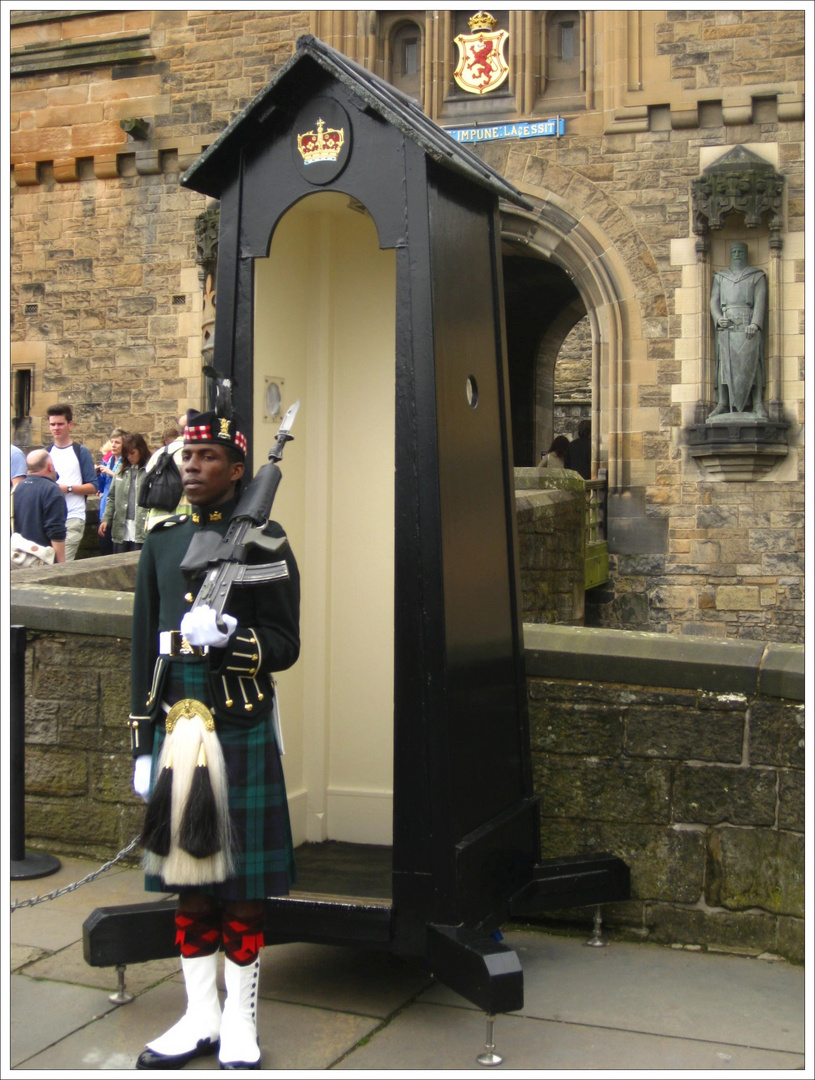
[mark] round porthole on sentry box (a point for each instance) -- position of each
(471, 387)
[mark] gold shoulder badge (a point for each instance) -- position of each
(481, 65)
(324, 144)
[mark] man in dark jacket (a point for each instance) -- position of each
(199, 688)
(39, 505)
(578, 454)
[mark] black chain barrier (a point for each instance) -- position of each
(17, 904)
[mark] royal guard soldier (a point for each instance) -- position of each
(217, 827)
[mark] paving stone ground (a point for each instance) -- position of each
(624, 1007)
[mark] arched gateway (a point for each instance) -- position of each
(579, 273)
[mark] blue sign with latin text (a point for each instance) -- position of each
(526, 130)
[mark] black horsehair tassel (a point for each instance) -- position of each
(199, 834)
(156, 833)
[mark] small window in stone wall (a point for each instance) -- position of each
(22, 393)
(406, 59)
(561, 37)
(566, 40)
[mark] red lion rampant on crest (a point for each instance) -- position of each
(479, 63)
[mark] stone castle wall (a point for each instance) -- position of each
(106, 293)
(107, 297)
(108, 266)
(690, 554)
(690, 771)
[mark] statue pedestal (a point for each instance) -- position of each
(738, 446)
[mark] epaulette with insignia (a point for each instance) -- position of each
(173, 519)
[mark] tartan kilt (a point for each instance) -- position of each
(264, 854)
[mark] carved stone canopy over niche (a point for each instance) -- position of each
(206, 256)
(740, 182)
(206, 239)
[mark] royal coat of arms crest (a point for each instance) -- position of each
(482, 66)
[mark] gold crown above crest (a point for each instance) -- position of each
(324, 144)
(482, 20)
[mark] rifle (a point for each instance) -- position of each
(223, 559)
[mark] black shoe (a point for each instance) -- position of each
(149, 1059)
(239, 1064)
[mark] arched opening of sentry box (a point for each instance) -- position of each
(324, 334)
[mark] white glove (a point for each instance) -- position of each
(141, 775)
(200, 627)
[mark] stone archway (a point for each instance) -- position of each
(542, 304)
(601, 288)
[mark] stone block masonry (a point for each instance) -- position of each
(692, 774)
(551, 515)
(733, 567)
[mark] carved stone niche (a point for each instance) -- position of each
(739, 445)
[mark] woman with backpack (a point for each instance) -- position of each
(123, 516)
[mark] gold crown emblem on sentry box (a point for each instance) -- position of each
(324, 144)
(482, 20)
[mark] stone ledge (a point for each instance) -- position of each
(98, 612)
(111, 572)
(56, 56)
(643, 658)
(782, 672)
(552, 650)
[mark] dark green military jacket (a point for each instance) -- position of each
(266, 640)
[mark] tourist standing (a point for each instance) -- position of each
(76, 474)
(123, 516)
(38, 506)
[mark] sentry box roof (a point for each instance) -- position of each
(283, 94)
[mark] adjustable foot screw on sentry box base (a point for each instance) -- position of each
(596, 940)
(122, 996)
(489, 1056)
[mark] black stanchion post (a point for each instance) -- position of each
(24, 864)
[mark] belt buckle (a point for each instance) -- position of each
(173, 643)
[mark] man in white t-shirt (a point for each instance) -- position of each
(76, 474)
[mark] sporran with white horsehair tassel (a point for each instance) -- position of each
(187, 833)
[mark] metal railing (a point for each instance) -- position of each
(596, 534)
(596, 509)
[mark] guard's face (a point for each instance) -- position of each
(738, 255)
(208, 475)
